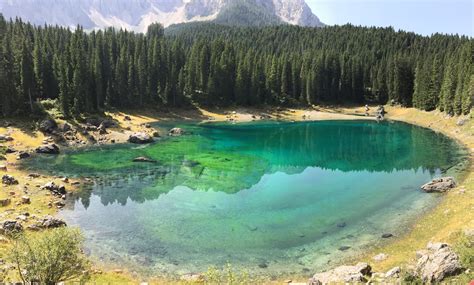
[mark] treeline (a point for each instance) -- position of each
(217, 65)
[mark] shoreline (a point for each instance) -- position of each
(400, 251)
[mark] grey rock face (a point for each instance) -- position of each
(439, 185)
(136, 15)
(437, 262)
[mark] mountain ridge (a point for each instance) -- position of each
(137, 15)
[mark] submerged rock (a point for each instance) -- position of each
(344, 248)
(350, 274)
(439, 185)
(387, 235)
(23, 155)
(48, 149)
(380, 257)
(9, 180)
(176, 132)
(437, 262)
(140, 138)
(144, 159)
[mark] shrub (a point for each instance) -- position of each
(50, 257)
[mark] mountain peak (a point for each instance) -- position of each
(136, 15)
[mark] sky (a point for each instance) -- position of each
(421, 16)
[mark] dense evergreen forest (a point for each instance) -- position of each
(210, 64)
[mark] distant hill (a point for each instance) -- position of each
(137, 15)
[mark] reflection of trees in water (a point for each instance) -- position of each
(289, 148)
(354, 147)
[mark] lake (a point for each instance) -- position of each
(275, 198)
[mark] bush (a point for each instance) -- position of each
(50, 257)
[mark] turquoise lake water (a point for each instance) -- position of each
(275, 198)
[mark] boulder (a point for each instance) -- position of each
(144, 159)
(48, 126)
(127, 118)
(343, 274)
(25, 200)
(48, 149)
(5, 138)
(58, 190)
(9, 180)
(140, 138)
(437, 262)
(5, 202)
(66, 128)
(176, 132)
(3, 167)
(49, 222)
(23, 155)
(10, 150)
(9, 227)
(393, 273)
(439, 185)
(102, 129)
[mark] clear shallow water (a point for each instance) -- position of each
(284, 195)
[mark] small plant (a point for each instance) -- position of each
(50, 257)
(227, 275)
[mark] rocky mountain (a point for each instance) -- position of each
(136, 15)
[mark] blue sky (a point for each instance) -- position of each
(420, 16)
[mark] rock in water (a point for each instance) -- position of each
(437, 262)
(48, 149)
(439, 185)
(342, 274)
(144, 159)
(176, 132)
(140, 138)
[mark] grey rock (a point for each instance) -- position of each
(23, 155)
(5, 138)
(49, 222)
(9, 227)
(387, 235)
(176, 132)
(393, 273)
(5, 202)
(437, 262)
(140, 138)
(9, 180)
(48, 149)
(48, 126)
(341, 274)
(58, 190)
(439, 185)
